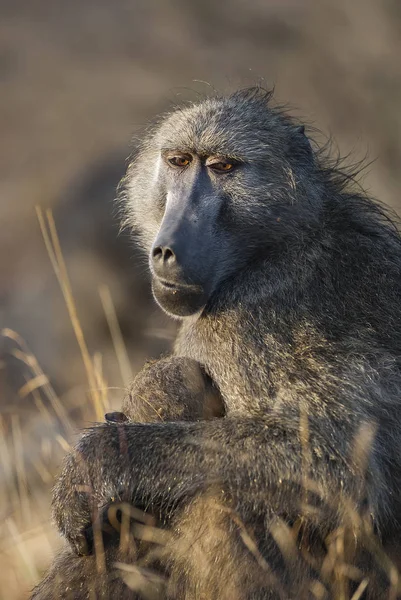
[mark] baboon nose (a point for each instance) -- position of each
(164, 261)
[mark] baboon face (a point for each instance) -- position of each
(219, 184)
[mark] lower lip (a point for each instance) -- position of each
(178, 300)
(176, 287)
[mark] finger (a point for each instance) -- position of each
(115, 417)
(83, 544)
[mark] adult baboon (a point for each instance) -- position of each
(287, 279)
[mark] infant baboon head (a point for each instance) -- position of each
(217, 185)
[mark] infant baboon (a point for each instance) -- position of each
(287, 281)
(172, 389)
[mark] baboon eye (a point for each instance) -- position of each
(222, 165)
(179, 161)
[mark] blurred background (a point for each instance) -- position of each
(78, 80)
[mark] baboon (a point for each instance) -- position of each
(282, 421)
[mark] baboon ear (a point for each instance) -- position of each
(300, 141)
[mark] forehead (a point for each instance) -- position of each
(227, 126)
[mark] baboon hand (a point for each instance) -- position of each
(118, 462)
(156, 466)
(84, 490)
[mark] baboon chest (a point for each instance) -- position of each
(250, 366)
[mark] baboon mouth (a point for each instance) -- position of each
(178, 299)
(178, 286)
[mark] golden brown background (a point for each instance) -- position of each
(77, 79)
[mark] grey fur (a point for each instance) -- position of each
(296, 322)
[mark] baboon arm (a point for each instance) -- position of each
(253, 464)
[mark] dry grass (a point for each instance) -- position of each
(30, 452)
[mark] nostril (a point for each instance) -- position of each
(157, 252)
(168, 254)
